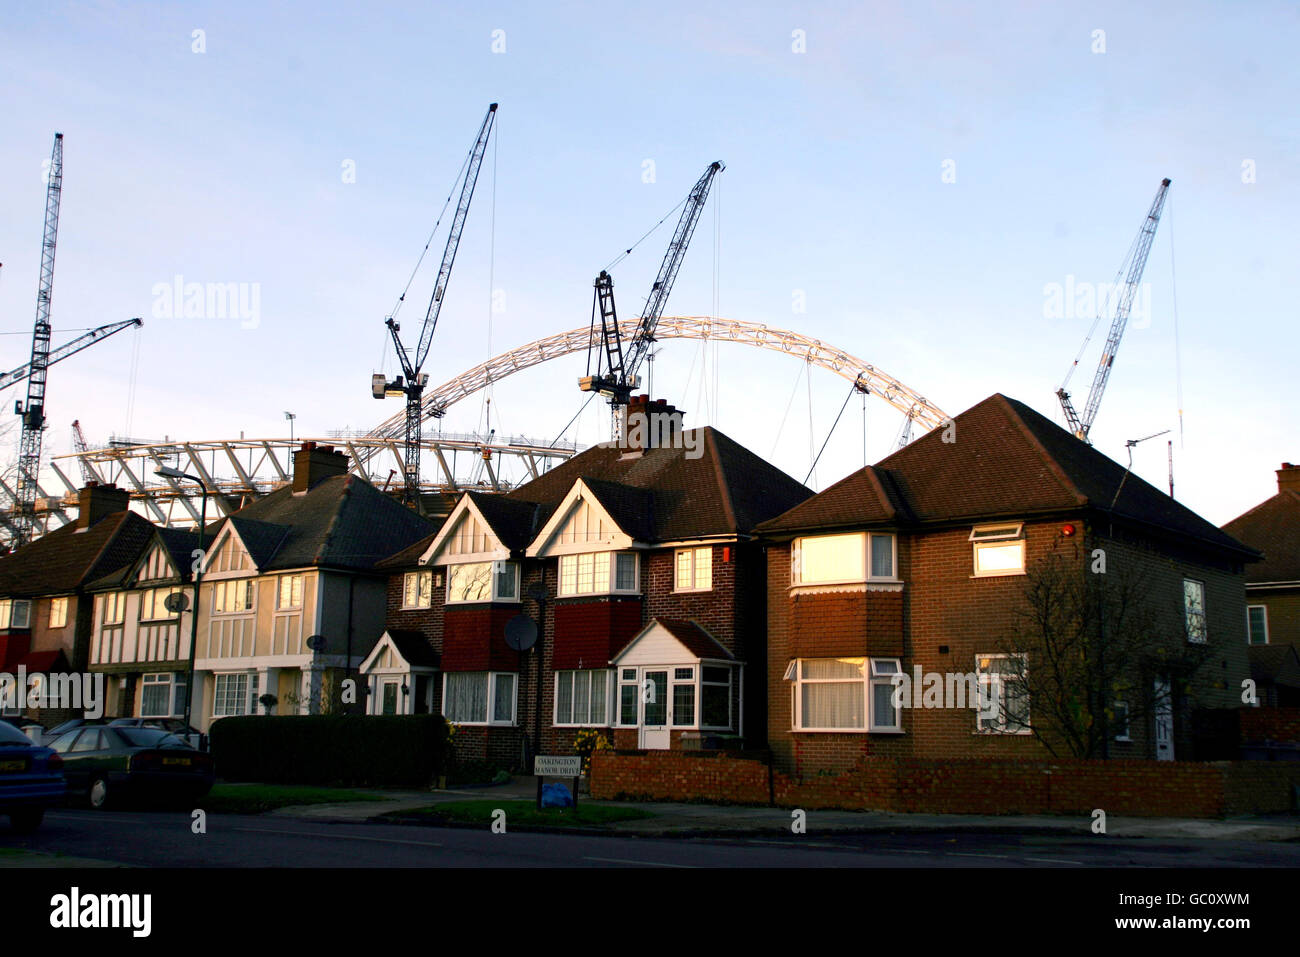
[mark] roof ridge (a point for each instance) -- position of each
(1049, 460)
(344, 498)
(719, 473)
(104, 546)
(879, 488)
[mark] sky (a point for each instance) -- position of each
(907, 182)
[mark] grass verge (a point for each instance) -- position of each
(258, 798)
(523, 813)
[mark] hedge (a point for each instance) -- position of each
(334, 749)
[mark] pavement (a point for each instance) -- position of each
(711, 820)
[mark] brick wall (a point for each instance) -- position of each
(1270, 724)
(1283, 614)
(922, 785)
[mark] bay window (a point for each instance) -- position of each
(598, 573)
(482, 581)
(844, 559)
(479, 697)
(844, 694)
(162, 695)
(582, 698)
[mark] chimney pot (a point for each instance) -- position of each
(1288, 478)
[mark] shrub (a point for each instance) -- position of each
(331, 749)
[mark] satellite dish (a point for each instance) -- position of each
(316, 642)
(521, 633)
(176, 602)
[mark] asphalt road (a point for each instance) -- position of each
(152, 839)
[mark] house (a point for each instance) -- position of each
(291, 600)
(914, 576)
(1273, 589)
(641, 563)
(46, 606)
(140, 639)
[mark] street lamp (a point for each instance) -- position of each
(166, 471)
(290, 416)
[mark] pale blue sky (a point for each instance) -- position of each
(225, 166)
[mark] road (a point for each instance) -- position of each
(165, 839)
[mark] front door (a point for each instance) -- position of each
(1164, 714)
(654, 732)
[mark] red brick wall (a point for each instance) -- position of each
(1283, 613)
(1270, 724)
(919, 785)
(589, 633)
(473, 639)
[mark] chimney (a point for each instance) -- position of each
(313, 463)
(1288, 478)
(651, 424)
(95, 501)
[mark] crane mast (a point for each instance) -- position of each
(33, 412)
(1081, 426)
(616, 368)
(415, 380)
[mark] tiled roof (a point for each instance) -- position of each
(695, 639)
(727, 490)
(408, 557)
(1273, 527)
(1006, 461)
(179, 544)
(342, 522)
(68, 558)
(415, 648)
(512, 521)
(1275, 664)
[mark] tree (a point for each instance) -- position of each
(1090, 640)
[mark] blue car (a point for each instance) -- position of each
(31, 779)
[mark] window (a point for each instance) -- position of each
(470, 697)
(153, 604)
(389, 696)
(1194, 609)
(58, 612)
(483, 581)
(999, 549)
(417, 589)
(15, 613)
(1119, 723)
(289, 594)
(592, 573)
(628, 691)
(830, 559)
(581, 698)
(1257, 624)
(845, 694)
(114, 608)
(694, 569)
(683, 691)
(232, 596)
(235, 694)
(162, 695)
(1001, 679)
(715, 697)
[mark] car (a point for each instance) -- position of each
(108, 765)
(31, 779)
(174, 726)
(48, 737)
(28, 726)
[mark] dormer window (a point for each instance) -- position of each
(999, 549)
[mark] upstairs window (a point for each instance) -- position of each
(598, 573)
(694, 569)
(1194, 610)
(58, 612)
(113, 608)
(289, 592)
(153, 604)
(482, 581)
(1257, 624)
(15, 613)
(232, 596)
(835, 559)
(999, 549)
(417, 589)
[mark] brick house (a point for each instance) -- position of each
(46, 607)
(921, 562)
(653, 585)
(1273, 589)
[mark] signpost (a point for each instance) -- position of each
(557, 766)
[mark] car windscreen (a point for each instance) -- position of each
(9, 735)
(149, 738)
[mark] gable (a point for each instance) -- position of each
(670, 642)
(155, 565)
(228, 557)
(465, 538)
(580, 524)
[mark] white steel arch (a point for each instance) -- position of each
(916, 407)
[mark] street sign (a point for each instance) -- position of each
(557, 766)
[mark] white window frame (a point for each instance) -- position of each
(606, 676)
(250, 695)
(870, 683)
(112, 608)
(731, 695)
(491, 677)
(575, 560)
(301, 582)
(1189, 615)
(61, 604)
(1122, 705)
(1264, 610)
(796, 560)
(420, 590)
(8, 613)
(223, 588)
(994, 537)
(152, 595)
(986, 679)
(494, 594)
(156, 679)
(694, 565)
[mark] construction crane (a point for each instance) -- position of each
(616, 368)
(79, 446)
(1136, 262)
(412, 386)
(69, 349)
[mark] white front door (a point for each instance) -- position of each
(653, 731)
(1164, 714)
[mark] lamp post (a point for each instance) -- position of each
(290, 416)
(168, 472)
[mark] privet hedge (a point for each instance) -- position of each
(334, 749)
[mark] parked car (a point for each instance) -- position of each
(28, 726)
(107, 764)
(175, 726)
(49, 737)
(31, 779)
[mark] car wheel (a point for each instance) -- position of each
(99, 793)
(24, 822)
